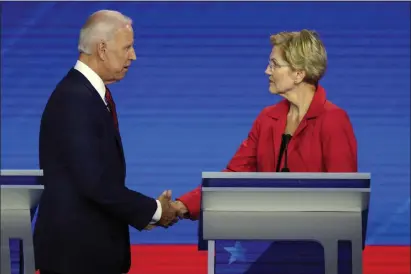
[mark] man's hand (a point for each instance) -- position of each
(181, 209)
(168, 214)
(149, 227)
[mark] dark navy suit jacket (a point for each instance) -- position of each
(85, 210)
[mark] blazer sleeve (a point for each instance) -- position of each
(339, 144)
(80, 138)
(244, 160)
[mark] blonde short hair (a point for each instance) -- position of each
(303, 50)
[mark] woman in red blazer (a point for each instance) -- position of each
(315, 134)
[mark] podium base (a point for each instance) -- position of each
(326, 228)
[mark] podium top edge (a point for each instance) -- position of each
(285, 175)
(28, 187)
(21, 172)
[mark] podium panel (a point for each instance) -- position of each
(326, 208)
(20, 193)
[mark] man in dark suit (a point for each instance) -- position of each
(85, 210)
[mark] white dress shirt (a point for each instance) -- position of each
(98, 84)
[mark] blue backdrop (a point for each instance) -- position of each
(198, 83)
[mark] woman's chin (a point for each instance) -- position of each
(273, 90)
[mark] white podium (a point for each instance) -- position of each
(19, 194)
(322, 207)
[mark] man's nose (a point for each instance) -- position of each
(132, 55)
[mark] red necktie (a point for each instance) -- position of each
(112, 107)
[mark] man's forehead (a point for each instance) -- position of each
(125, 33)
(126, 29)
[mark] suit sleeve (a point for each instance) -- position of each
(244, 160)
(82, 150)
(339, 143)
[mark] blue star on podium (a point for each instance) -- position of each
(237, 252)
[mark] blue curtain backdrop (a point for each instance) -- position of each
(198, 83)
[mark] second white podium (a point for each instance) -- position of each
(321, 207)
(17, 199)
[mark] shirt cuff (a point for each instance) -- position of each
(157, 214)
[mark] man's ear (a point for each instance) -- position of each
(101, 50)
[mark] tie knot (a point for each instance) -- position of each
(109, 98)
(108, 95)
(111, 106)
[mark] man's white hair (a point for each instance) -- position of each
(101, 26)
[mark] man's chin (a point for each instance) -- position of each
(120, 77)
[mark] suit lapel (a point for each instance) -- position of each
(99, 101)
(117, 135)
(120, 146)
(315, 109)
(300, 129)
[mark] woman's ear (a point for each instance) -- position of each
(299, 76)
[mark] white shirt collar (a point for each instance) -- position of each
(93, 78)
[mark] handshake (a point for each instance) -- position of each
(172, 211)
